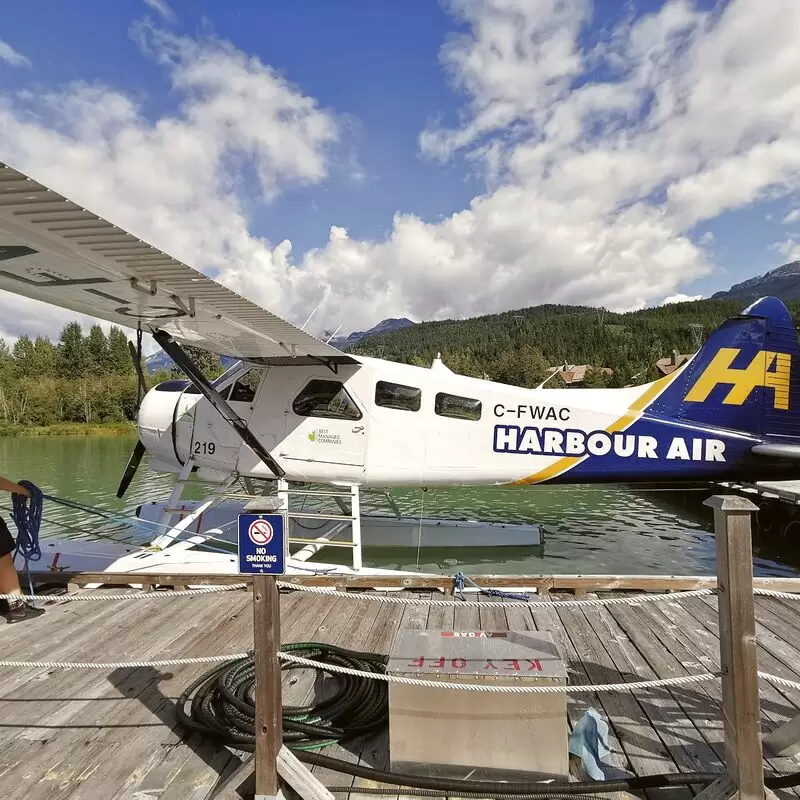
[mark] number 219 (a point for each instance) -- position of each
(205, 447)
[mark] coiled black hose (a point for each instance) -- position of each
(223, 708)
(223, 705)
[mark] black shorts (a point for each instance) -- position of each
(7, 543)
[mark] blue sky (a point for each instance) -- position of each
(375, 62)
(569, 152)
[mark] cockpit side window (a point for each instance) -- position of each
(397, 396)
(451, 405)
(329, 399)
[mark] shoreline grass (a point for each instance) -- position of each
(71, 429)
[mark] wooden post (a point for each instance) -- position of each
(737, 644)
(269, 707)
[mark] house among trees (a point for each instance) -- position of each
(582, 374)
(669, 364)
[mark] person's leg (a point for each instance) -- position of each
(9, 581)
(18, 610)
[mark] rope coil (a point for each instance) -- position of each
(28, 519)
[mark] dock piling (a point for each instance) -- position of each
(737, 643)
(269, 706)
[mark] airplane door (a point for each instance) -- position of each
(324, 424)
(214, 440)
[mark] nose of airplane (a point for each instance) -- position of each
(158, 418)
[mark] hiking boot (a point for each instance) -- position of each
(19, 612)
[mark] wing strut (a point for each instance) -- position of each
(176, 353)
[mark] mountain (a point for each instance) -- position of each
(385, 326)
(783, 282)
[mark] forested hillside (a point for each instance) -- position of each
(518, 346)
(90, 377)
(84, 378)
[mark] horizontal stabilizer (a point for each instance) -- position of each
(777, 450)
(54, 250)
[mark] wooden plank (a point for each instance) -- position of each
(163, 756)
(88, 765)
(685, 743)
(697, 651)
(694, 612)
(299, 777)
(160, 764)
(493, 617)
(527, 619)
(643, 746)
(358, 620)
(376, 752)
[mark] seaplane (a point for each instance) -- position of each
(295, 412)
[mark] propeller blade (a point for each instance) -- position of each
(138, 365)
(130, 469)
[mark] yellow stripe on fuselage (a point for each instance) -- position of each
(630, 416)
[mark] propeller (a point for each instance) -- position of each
(139, 450)
(130, 469)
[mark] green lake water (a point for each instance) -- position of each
(588, 529)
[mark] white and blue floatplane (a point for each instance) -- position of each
(294, 410)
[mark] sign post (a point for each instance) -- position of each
(262, 553)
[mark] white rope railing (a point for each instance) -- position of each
(158, 595)
(485, 687)
(324, 667)
(416, 601)
(776, 594)
(657, 683)
(672, 597)
(166, 662)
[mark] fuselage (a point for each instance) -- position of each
(384, 424)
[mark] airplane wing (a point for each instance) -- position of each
(54, 250)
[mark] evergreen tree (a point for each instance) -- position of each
(119, 357)
(98, 351)
(73, 356)
(46, 356)
(25, 357)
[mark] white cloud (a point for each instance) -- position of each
(792, 216)
(174, 182)
(11, 56)
(789, 249)
(162, 8)
(680, 298)
(604, 150)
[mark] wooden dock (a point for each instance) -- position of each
(111, 733)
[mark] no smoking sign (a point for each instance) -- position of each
(260, 532)
(262, 544)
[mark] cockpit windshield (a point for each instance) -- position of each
(185, 385)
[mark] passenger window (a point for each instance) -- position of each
(395, 395)
(325, 399)
(450, 405)
(244, 390)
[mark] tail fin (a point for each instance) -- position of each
(744, 378)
